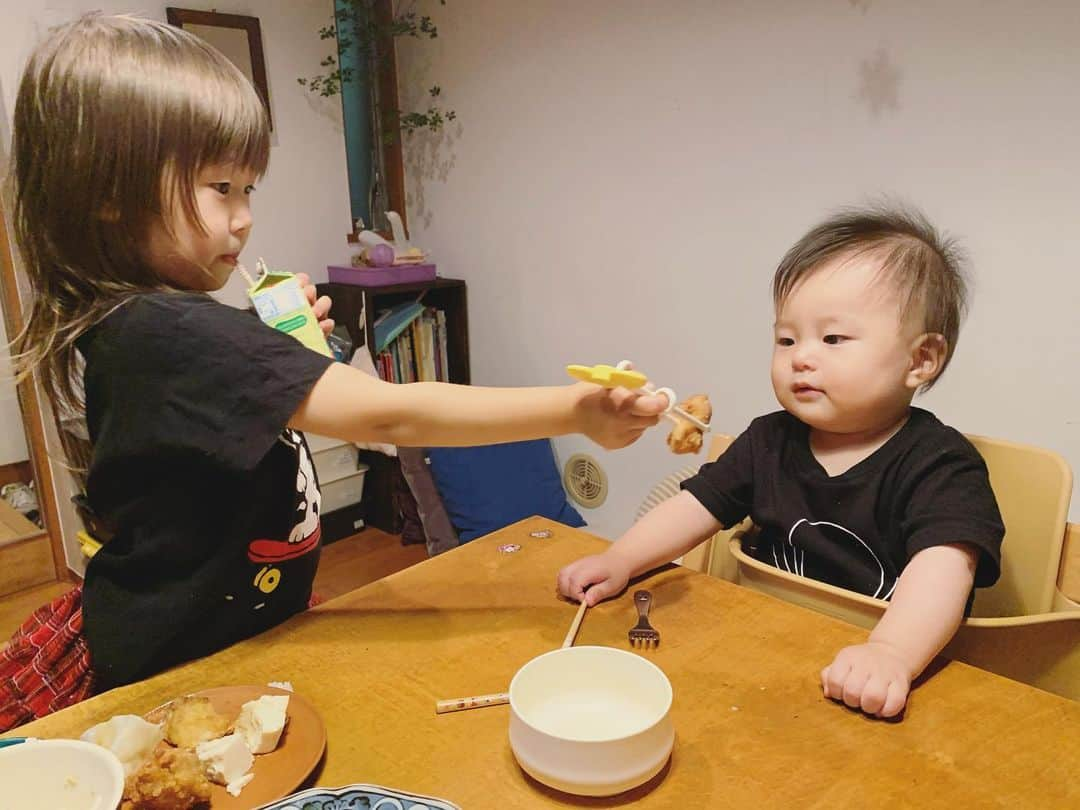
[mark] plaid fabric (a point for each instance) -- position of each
(46, 665)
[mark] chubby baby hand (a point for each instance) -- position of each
(320, 306)
(615, 417)
(602, 575)
(873, 677)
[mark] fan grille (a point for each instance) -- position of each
(585, 480)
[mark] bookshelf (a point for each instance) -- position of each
(356, 307)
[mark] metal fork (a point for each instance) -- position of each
(642, 634)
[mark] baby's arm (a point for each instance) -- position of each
(926, 608)
(664, 533)
(348, 404)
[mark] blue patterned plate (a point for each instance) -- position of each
(358, 797)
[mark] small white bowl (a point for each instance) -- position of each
(68, 774)
(591, 721)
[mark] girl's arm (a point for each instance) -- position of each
(663, 534)
(348, 404)
(319, 306)
(926, 608)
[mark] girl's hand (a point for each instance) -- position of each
(320, 306)
(605, 573)
(872, 677)
(616, 417)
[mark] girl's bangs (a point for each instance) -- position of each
(228, 123)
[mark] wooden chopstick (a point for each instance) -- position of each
(476, 702)
(572, 632)
(499, 698)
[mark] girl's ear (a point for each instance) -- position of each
(928, 353)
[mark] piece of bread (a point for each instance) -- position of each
(685, 437)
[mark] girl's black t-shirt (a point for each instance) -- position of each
(926, 486)
(214, 502)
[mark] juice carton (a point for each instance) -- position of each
(281, 303)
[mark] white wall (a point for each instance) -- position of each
(301, 207)
(624, 177)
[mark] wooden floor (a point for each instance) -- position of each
(345, 565)
(14, 525)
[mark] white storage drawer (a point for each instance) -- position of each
(317, 443)
(344, 491)
(335, 462)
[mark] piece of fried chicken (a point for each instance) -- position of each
(193, 720)
(172, 779)
(685, 437)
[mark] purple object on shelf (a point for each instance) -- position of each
(380, 255)
(381, 276)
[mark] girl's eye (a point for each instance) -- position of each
(784, 341)
(221, 188)
(248, 189)
(833, 340)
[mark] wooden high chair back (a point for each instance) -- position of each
(1033, 488)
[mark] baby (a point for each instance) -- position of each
(849, 484)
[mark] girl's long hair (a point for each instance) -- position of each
(115, 116)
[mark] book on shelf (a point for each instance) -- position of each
(417, 352)
(391, 323)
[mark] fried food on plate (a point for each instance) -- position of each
(172, 779)
(193, 720)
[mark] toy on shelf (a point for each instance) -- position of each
(691, 417)
(375, 251)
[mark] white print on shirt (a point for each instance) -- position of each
(306, 531)
(797, 563)
(310, 499)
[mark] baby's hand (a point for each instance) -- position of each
(616, 417)
(320, 306)
(873, 677)
(605, 573)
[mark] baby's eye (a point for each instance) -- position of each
(833, 340)
(785, 341)
(221, 188)
(249, 189)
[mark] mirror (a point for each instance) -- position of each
(28, 510)
(236, 36)
(20, 513)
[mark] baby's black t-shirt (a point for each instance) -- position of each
(926, 486)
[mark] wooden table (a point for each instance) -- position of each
(752, 729)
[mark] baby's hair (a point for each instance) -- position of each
(924, 266)
(115, 117)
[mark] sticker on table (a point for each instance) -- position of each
(509, 548)
(541, 534)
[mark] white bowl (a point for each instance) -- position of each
(60, 774)
(592, 721)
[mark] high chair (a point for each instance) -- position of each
(1026, 627)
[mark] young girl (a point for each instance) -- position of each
(136, 148)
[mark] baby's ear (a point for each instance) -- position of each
(928, 353)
